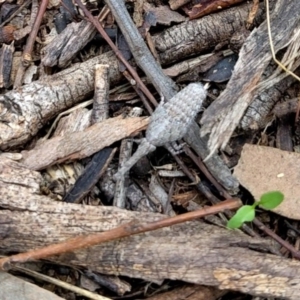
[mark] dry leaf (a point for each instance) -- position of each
(263, 169)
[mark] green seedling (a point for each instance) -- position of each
(246, 213)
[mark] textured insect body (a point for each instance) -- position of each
(169, 122)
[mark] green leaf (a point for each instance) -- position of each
(244, 214)
(271, 200)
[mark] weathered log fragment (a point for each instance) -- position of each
(25, 110)
(193, 252)
(193, 37)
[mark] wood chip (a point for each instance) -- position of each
(82, 144)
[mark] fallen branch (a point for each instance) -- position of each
(193, 251)
(196, 36)
(126, 230)
(25, 110)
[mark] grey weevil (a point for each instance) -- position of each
(169, 122)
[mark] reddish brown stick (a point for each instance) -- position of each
(277, 238)
(27, 58)
(125, 230)
(136, 77)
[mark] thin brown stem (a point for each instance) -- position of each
(268, 231)
(139, 92)
(205, 171)
(136, 77)
(128, 229)
(27, 57)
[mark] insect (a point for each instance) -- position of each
(169, 122)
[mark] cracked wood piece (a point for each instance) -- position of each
(101, 94)
(192, 37)
(82, 144)
(194, 252)
(25, 110)
(68, 43)
(272, 86)
(6, 61)
(256, 114)
(169, 122)
(222, 117)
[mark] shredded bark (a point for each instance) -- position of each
(224, 115)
